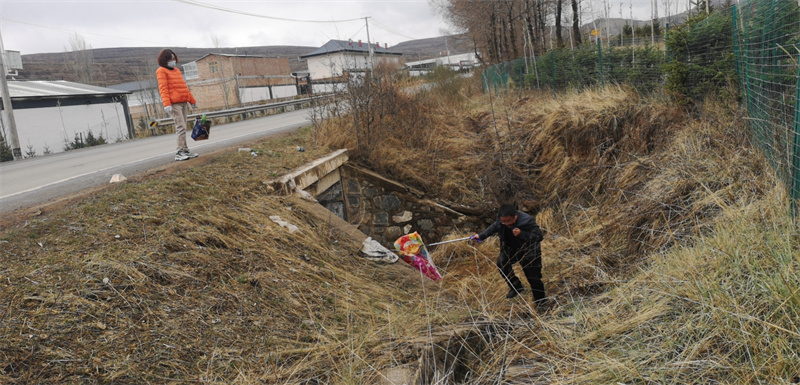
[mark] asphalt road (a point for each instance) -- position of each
(35, 181)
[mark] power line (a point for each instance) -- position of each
(70, 32)
(218, 8)
(387, 29)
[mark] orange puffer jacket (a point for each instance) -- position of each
(172, 87)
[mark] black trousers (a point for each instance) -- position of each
(531, 266)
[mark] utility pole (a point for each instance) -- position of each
(369, 44)
(12, 125)
(447, 53)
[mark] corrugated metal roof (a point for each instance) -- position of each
(233, 56)
(136, 86)
(334, 46)
(44, 89)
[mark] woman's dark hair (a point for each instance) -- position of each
(165, 56)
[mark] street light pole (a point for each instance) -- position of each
(12, 125)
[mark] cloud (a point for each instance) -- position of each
(32, 26)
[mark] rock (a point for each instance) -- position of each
(392, 232)
(387, 202)
(425, 224)
(292, 228)
(403, 217)
(118, 178)
(397, 376)
(381, 219)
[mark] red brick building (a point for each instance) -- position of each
(220, 81)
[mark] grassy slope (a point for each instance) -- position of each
(669, 245)
(669, 250)
(184, 277)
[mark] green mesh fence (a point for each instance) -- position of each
(746, 53)
(766, 45)
(639, 64)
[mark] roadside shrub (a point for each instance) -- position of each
(5, 152)
(81, 142)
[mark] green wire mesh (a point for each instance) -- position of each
(767, 53)
(748, 52)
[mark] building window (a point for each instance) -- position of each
(213, 67)
(190, 71)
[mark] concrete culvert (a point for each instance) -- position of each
(451, 359)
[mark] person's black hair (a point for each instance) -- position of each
(507, 210)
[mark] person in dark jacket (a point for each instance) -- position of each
(520, 242)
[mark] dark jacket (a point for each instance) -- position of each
(527, 242)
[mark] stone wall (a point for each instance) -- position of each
(385, 210)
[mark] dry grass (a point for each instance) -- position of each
(617, 181)
(184, 278)
(668, 249)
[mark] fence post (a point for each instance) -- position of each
(795, 171)
(600, 56)
(553, 68)
(736, 49)
(666, 38)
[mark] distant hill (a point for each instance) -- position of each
(615, 24)
(432, 47)
(122, 65)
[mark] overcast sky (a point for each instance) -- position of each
(37, 26)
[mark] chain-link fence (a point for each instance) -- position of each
(748, 52)
(639, 64)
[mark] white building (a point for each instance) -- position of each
(338, 57)
(51, 114)
(460, 63)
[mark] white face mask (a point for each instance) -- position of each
(172, 64)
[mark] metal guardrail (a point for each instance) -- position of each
(244, 111)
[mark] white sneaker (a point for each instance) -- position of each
(181, 156)
(189, 154)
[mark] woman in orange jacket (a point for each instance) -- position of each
(176, 97)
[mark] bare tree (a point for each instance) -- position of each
(82, 59)
(144, 74)
(576, 26)
(559, 11)
(494, 26)
(223, 79)
(529, 24)
(666, 4)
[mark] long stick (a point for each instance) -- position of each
(450, 241)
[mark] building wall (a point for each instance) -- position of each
(214, 94)
(333, 65)
(221, 77)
